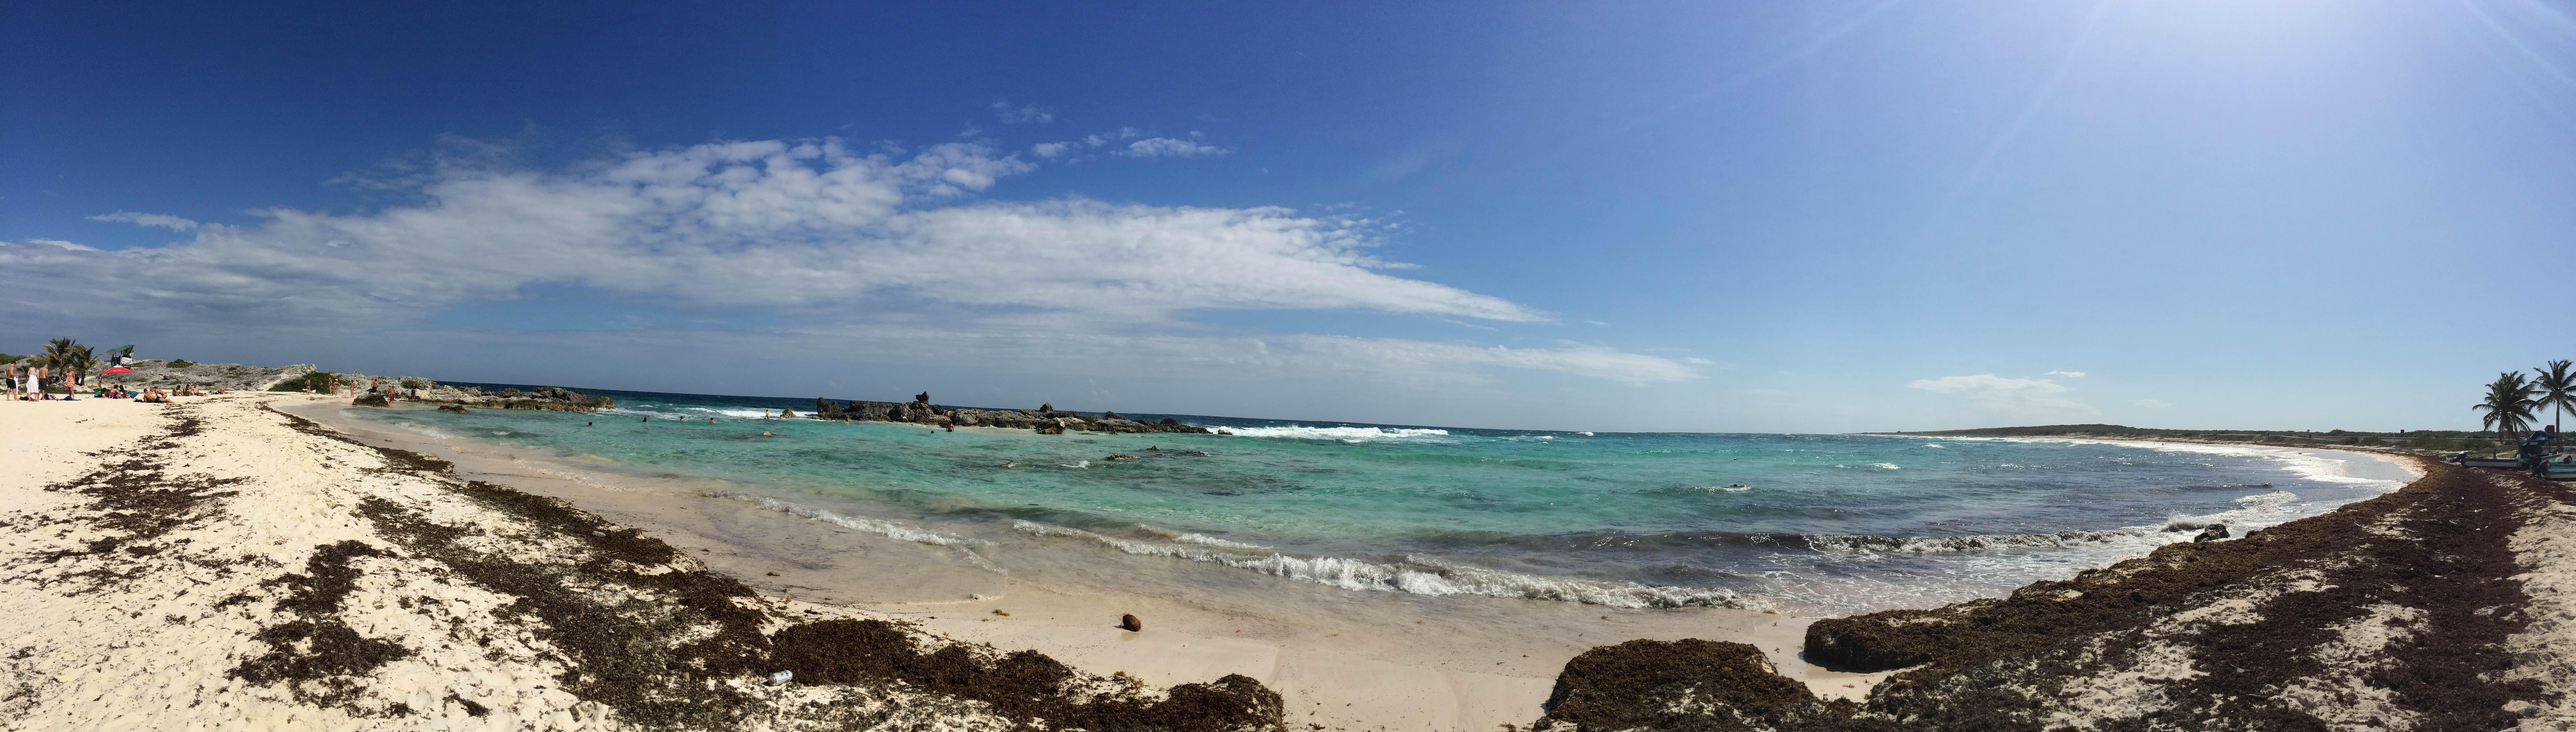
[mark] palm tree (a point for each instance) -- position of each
(2507, 406)
(59, 354)
(2557, 389)
(80, 359)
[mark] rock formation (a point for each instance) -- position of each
(554, 398)
(1045, 419)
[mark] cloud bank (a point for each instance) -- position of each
(2006, 394)
(808, 230)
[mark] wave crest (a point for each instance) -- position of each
(1417, 575)
(1344, 434)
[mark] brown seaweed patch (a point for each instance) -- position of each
(1689, 684)
(1026, 686)
(621, 649)
(318, 657)
(1990, 664)
(319, 660)
(136, 503)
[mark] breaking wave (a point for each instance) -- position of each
(1414, 574)
(1345, 434)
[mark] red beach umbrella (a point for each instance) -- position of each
(116, 370)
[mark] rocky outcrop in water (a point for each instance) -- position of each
(552, 398)
(1045, 419)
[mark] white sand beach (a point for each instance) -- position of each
(155, 551)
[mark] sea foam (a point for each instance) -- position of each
(1415, 574)
(1345, 434)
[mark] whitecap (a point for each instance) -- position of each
(881, 527)
(1418, 575)
(1586, 434)
(1345, 434)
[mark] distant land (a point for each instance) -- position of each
(2417, 439)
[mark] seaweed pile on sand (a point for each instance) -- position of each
(2445, 605)
(391, 593)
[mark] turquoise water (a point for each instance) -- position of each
(1818, 522)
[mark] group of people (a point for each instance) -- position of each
(28, 383)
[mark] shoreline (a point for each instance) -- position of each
(1498, 678)
(1337, 656)
(269, 534)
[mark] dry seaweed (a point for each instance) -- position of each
(1026, 686)
(2436, 548)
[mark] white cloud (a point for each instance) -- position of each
(2067, 374)
(2152, 403)
(56, 243)
(165, 221)
(1698, 360)
(831, 240)
(779, 223)
(1988, 391)
(1169, 147)
(1050, 149)
(1020, 115)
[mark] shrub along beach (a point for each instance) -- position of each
(270, 558)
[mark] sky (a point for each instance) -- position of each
(1690, 216)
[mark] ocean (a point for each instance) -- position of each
(1810, 524)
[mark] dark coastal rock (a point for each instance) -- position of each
(371, 400)
(1701, 684)
(1130, 623)
(1045, 419)
(451, 408)
(2213, 533)
(551, 398)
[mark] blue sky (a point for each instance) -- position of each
(1611, 216)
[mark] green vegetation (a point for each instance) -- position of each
(2507, 406)
(415, 382)
(321, 381)
(2514, 403)
(2557, 385)
(68, 355)
(181, 363)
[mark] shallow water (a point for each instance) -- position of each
(1805, 523)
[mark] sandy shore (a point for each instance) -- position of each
(1340, 659)
(236, 563)
(217, 564)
